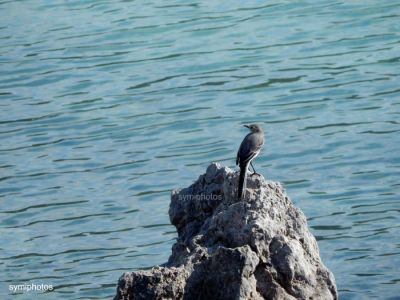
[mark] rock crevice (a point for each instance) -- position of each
(256, 248)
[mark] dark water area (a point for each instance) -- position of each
(106, 106)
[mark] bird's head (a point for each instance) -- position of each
(254, 128)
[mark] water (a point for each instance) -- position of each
(106, 106)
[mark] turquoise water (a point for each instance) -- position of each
(106, 106)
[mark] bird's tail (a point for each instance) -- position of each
(242, 182)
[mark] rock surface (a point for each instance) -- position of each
(257, 248)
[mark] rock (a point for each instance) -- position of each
(256, 248)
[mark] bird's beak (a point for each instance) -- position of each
(246, 126)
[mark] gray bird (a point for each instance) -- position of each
(248, 150)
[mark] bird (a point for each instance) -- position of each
(248, 150)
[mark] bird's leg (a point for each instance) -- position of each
(254, 170)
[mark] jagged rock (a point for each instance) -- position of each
(256, 248)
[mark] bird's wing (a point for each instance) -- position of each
(249, 148)
(249, 156)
